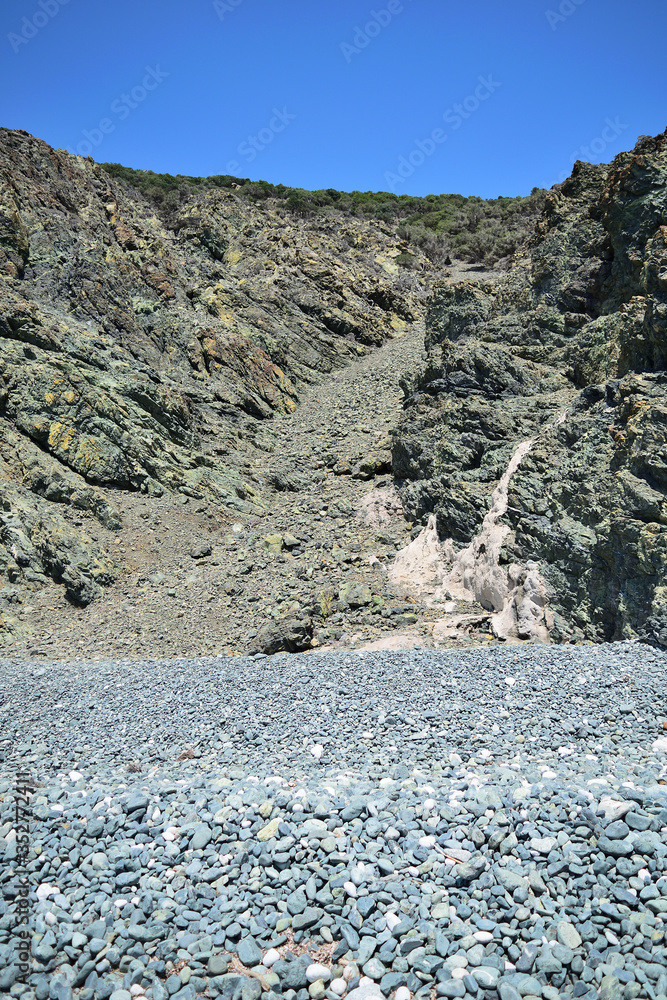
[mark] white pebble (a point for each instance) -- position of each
(317, 750)
(170, 833)
(350, 889)
(75, 776)
(271, 956)
(427, 841)
(317, 971)
(136, 990)
(392, 920)
(402, 993)
(484, 937)
(338, 986)
(459, 973)
(348, 973)
(543, 845)
(51, 919)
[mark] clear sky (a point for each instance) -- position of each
(416, 96)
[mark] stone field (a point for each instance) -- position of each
(485, 823)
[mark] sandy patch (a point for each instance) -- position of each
(379, 507)
(397, 640)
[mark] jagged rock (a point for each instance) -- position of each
(373, 464)
(567, 351)
(290, 635)
(286, 482)
(273, 543)
(201, 551)
(356, 595)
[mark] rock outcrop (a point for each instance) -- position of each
(566, 350)
(150, 358)
(142, 355)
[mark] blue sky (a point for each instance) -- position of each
(416, 96)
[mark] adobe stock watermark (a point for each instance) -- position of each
(597, 146)
(565, 9)
(23, 790)
(224, 7)
(454, 117)
(121, 108)
(31, 26)
(251, 147)
(378, 21)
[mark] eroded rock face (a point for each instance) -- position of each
(141, 356)
(568, 350)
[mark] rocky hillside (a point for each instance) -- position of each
(200, 378)
(140, 356)
(563, 357)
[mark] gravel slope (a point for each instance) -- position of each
(488, 823)
(198, 583)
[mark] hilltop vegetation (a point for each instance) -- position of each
(473, 229)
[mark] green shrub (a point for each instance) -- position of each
(472, 229)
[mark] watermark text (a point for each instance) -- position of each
(253, 145)
(121, 108)
(31, 26)
(566, 9)
(454, 118)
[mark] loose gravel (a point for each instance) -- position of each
(488, 823)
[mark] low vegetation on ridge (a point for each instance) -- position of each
(473, 229)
